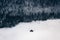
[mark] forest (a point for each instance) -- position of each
(13, 12)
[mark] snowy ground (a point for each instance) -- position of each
(43, 30)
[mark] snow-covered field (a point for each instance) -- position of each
(43, 30)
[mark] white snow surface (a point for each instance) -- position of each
(43, 30)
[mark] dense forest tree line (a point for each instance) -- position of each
(10, 18)
(8, 21)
